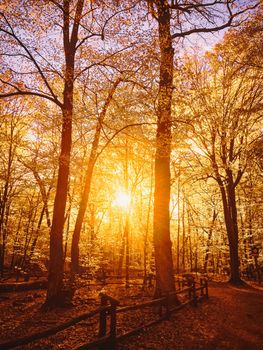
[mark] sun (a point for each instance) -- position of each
(122, 199)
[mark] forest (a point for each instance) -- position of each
(131, 144)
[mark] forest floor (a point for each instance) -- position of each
(232, 318)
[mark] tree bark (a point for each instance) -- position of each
(230, 217)
(233, 235)
(55, 278)
(161, 224)
(55, 294)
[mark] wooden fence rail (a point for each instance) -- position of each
(109, 307)
(37, 336)
(109, 340)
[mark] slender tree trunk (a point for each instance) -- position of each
(67, 233)
(190, 239)
(127, 245)
(28, 232)
(127, 219)
(208, 243)
(196, 249)
(145, 241)
(183, 232)
(178, 224)
(34, 242)
(93, 234)
(15, 243)
(161, 224)
(46, 212)
(88, 177)
(121, 254)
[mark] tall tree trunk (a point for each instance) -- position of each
(190, 239)
(161, 224)
(183, 232)
(55, 295)
(127, 219)
(178, 223)
(230, 216)
(55, 278)
(233, 235)
(127, 250)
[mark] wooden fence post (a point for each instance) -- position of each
(113, 322)
(103, 320)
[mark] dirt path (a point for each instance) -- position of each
(231, 319)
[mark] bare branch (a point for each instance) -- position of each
(228, 23)
(119, 131)
(102, 61)
(30, 57)
(20, 92)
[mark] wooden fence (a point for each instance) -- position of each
(110, 307)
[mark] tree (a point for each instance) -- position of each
(68, 62)
(70, 29)
(11, 134)
(175, 21)
(226, 107)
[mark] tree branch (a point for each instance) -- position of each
(30, 57)
(227, 24)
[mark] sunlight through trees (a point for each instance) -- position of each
(123, 149)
